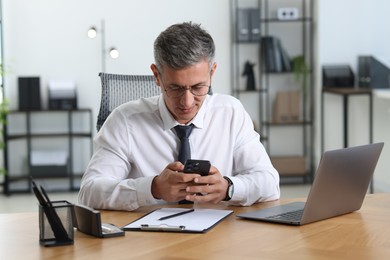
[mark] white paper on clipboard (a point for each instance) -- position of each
(198, 221)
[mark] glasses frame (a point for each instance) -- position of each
(184, 89)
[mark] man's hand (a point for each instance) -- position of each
(213, 187)
(170, 185)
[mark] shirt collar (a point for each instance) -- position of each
(169, 122)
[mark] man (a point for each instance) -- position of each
(135, 162)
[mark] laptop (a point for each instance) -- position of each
(340, 185)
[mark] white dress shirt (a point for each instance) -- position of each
(137, 142)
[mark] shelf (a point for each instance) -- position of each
(51, 111)
(299, 123)
(22, 136)
(276, 20)
(250, 91)
(279, 73)
(37, 136)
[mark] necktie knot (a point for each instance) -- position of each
(183, 131)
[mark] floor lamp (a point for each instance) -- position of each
(113, 52)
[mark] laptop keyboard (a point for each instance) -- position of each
(289, 216)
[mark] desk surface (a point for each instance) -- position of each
(364, 234)
(348, 91)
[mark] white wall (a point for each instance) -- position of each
(47, 38)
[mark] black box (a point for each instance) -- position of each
(248, 25)
(51, 163)
(337, 76)
(372, 73)
(29, 93)
(49, 171)
(62, 103)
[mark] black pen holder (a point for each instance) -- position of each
(56, 224)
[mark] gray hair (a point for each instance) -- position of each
(182, 45)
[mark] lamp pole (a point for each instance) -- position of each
(103, 32)
(114, 53)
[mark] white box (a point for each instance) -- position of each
(288, 13)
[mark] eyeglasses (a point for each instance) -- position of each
(197, 90)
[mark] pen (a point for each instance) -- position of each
(176, 214)
(48, 202)
(38, 194)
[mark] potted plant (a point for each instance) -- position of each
(301, 72)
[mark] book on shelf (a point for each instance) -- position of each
(277, 54)
(274, 56)
(286, 61)
(267, 54)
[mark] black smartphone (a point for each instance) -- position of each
(197, 166)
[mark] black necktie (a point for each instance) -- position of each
(183, 132)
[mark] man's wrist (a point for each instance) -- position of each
(229, 190)
(154, 189)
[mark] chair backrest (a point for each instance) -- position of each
(119, 89)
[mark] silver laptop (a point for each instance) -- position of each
(339, 187)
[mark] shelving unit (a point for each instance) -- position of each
(50, 132)
(289, 142)
(2, 183)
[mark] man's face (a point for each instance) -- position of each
(185, 106)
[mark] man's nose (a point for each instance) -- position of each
(187, 98)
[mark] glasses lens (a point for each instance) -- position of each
(200, 90)
(174, 91)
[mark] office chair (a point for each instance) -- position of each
(118, 89)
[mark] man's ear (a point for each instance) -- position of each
(154, 69)
(213, 68)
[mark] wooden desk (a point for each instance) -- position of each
(364, 234)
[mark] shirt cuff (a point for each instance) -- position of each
(239, 189)
(144, 192)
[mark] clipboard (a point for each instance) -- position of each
(197, 221)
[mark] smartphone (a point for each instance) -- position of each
(197, 166)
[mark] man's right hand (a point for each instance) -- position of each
(170, 185)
